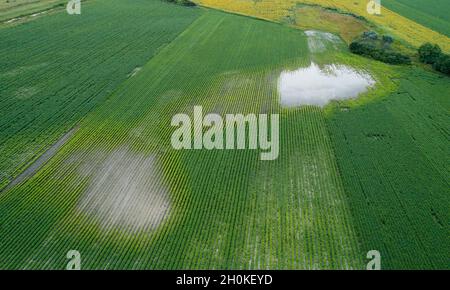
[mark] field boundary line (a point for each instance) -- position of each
(39, 162)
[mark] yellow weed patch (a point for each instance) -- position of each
(393, 23)
(317, 18)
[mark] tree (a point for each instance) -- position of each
(442, 64)
(357, 47)
(186, 2)
(388, 39)
(182, 2)
(429, 53)
(370, 35)
(378, 49)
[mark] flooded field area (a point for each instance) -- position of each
(318, 86)
(125, 191)
(319, 41)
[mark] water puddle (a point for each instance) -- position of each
(318, 86)
(11, 20)
(38, 13)
(319, 41)
(134, 72)
(125, 190)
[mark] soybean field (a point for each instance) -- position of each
(87, 103)
(56, 69)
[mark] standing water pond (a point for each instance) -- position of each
(318, 86)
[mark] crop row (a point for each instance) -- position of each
(55, 69)
(227, 208)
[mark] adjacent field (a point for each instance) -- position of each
(393, 156)
(391, 22)
(432, 13)
(56, 69)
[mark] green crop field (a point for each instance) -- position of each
(432, 13)
(394, 159)
(52, 78)
(369, 173)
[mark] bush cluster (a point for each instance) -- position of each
(182, 2)
(371, 45)
(432, 54)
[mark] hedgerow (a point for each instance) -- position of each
(432, 54)
(369, 44)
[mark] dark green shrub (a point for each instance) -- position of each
(181, 2)
(388, 39)
(370, 35)
(432, 54)
(429, 53)
(186, 2)
(393, 57)
(379, 49)
(442, 64)
(358, 48)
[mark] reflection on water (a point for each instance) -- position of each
(318, 86)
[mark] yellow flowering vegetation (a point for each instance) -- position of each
(389, 21)
(314, 17)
